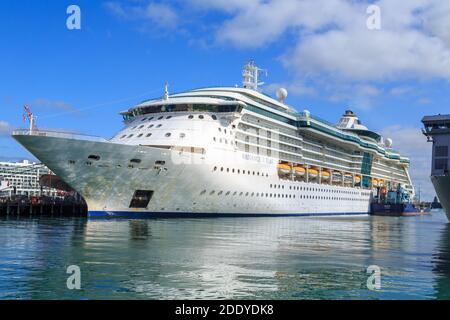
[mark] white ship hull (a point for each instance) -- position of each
(186, 183)
(442, 187)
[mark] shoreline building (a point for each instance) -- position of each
(22, 178)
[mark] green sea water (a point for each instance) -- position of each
(226, 258)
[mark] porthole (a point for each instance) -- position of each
(149, 135)
(159, 126)
(94, 157)
(168, 134)
(151, 126)
(140, 135)
(160, 118)
(141, 126)
(168, 117)
(214, 117)
(191, 117)
(143, 119)
(130, 136)
(201, 116)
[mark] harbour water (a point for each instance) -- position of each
(226, 258)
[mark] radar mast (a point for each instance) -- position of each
(250, 76)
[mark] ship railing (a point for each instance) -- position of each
(58, 134)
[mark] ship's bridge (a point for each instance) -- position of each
(350, 122)
(437, 129)
(183, 104)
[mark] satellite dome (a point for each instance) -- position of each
(282, 94)
(388, 142)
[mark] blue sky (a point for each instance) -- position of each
(321, 51)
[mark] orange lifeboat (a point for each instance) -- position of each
(357, 179)
(299, 171)
(313, 173)
(325, 175)
(284, 168)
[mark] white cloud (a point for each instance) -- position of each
(160, 15)
(413, 144)
(331, 37)
(5, 128)
(329, 44)
(398, 91)
(53, 104)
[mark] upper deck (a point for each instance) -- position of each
(439, 124)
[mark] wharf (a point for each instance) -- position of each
(53, 209)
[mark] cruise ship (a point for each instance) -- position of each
(225, 151)
(437, 129)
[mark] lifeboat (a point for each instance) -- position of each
(348, 177)
(375, 182)
(299, 171)
(284, 168)
(313, 173)
(357, 179)
(325, 175)
(337, 176)
(381, 183)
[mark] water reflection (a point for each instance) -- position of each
(279, 258)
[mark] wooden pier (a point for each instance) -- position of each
(62, 209)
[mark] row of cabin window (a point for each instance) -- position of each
(275, 186)
(226, 141)
(167, 135)
(255, 173)
(275, 195)
(214, 117)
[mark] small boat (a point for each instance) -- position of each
(357, 179)
(337, 176)
(313, 173)
(394, 209)
(284, 168)
(299, 171)
(325, 175)
(375, 182)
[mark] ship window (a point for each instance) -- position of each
(140, 135)
(182, 135)
(159, 125)
(191, 117)
(123, 136)
(141, 126)
(135, 160)
(160, 118)
(141, 199)
(151, 126)
(94, 157)
(169, 117)
(201, 116)
(144, 119)
(149, 135)
(130, 136)
(214, 117)
(160, 163)
(151, 118)
(441, 164)
(441, 151)
(168, 134)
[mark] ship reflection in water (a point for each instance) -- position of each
(261, 258)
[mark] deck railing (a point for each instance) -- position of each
(57, 134)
